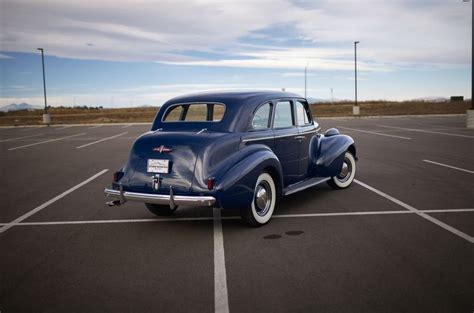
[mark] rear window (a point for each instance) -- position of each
(194, 112)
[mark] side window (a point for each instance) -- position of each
(262, 117)
(174, 114)
(283, 115)
(302, 113)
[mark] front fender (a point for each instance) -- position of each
(235, 188)
(327, 154)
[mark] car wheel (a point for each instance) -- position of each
(345, 178)
(160, 210)
(263, 203)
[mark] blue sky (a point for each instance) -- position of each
(122, 53)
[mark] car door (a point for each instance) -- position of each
(286, 143)
(306, 130)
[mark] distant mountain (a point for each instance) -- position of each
(18, 107)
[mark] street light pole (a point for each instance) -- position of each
(44, 82)
(355, 108)
(46, 116)
(470, 112)
(355, 69)
(472, 56)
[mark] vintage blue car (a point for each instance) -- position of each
(233, 150)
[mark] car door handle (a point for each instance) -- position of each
(299, 137)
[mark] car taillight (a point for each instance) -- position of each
(210, 183)
(118, 176)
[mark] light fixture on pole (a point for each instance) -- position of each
(46, 116)
(355, 108)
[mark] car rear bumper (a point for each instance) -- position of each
(170, 199)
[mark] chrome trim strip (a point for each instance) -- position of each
(201, 131)
(310, 183)
(281, 136)
(161, 199)
(255, 139)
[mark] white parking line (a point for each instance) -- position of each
(27, 129)
(96, 126)
(46, 141)
(49, 202)
(221, 302)
(426, 131)
(374, 133)
(94, 142)
(449, 166)
(127, 126)
(18, 138)
(418, 212)
(192, 219)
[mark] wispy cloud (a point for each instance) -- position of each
(394, 33)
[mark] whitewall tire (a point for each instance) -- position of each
(345, 178)
(263, 202)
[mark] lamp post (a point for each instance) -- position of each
(470, 112)
(355, 108)
(46, 116)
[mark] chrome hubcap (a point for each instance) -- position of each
(346, 171)
(263, 198)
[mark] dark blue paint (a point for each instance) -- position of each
(232, 153)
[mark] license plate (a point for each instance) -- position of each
(157, 166)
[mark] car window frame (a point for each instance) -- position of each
(270, 117)
(307, 111)
(293, 115)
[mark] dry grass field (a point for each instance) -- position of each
(135, 115)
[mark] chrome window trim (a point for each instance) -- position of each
(280, 136)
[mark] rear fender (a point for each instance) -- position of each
(235, 188)
(327, 154)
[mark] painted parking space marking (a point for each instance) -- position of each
(126, 126)
(418, 212)
(225, 218)
(426, 131)
(101, 140)
(221, 300)
(449, 166)
(7, 226)
(19, 138)
(374, 133)
(96, 126)
(46, 141)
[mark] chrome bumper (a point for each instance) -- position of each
(170, 199)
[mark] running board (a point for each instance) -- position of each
(310, 182)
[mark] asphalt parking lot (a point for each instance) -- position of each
(400, 239)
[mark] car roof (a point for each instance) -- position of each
(234, 96)
(239, 107)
